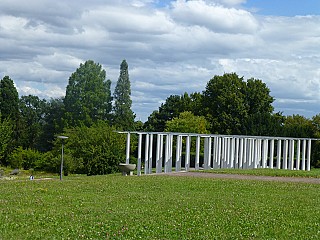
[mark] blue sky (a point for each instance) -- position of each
(171, 47)
(285, 7)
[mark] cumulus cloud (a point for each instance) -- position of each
(171, 47)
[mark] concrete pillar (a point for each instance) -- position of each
(245, 153)
(271, 153)
(170, 152)
(197, 160)
(219, 152)
(158, 153)
(228, 153)
(128, 149)
(178, 153)
(166, 156)
(264, 153)
(236, 155)
(291, 154)
(298, 155)
(279, 154)
(146, 154)
(309, 155)
(241, 152)
(209, 153)
(205, 153)
(285, 155)
(150, 153)
(139, 155)
(232, 152)
(187, 161)
(303, 163)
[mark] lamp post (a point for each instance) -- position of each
(61, 167)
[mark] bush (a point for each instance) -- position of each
(24, 158)
(93, 150)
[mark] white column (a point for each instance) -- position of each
(219, 153)
(146, 155)
(225, 149)
(139, 155)
(309, 155)
(197, 160)
(285, 155)
(279, 154)
(245, 153)
(161, 153)
(236, 160)
(187, 161)
(241, 152)
(291, 154)
(303, 164)
(205, 153)
(150, 152)
(209, 152)
(178, 153)
(214, 155)
(170, 152)
(228, 141)
(128, 149)
(166, 157)
(158, 153)
(232, 142)
(271, 153)
(298, 155)
(264, 153)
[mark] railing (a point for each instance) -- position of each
(164, 151)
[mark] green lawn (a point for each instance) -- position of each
(158, 207)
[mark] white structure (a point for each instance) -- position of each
(164, 151)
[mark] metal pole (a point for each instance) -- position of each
(61, 167)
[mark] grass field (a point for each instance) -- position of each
(158, 207)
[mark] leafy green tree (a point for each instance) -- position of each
(9, 100)
(187, 122)
(316, 144)
(53, 123)
(298, 126)
(32, 110)
(224, 104)
(6, 131)
(123, 115)
(173, 106)
(88, 95)
(94, 150)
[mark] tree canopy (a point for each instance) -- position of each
(88, 95)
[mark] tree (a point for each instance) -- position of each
(171, 108)
(187, 122)
(53, 123)
(298, 126)
(9, 99)
(123, 115)
(6, 131)
(224, 104)
(88, 95)
(32, 110)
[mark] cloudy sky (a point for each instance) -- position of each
(171, 47)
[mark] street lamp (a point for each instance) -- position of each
(61, 167)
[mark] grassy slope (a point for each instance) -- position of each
(158, 207)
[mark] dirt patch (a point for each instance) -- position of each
(244, 177)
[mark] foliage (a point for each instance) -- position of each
(88, 95)
(32, 110)
(123, 115)
(24, 158)
(6, 132)
(298, 126)
(224, 103)
(173, 106)
(94, 150)
(9, 99)
(158, 207)
(53, 123)
(187, 123)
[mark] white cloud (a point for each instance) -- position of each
(171, 49)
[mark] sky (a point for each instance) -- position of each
(171, 47)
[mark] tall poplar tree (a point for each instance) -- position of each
(88, 95)
(123, 115)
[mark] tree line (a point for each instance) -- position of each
(89, 114)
